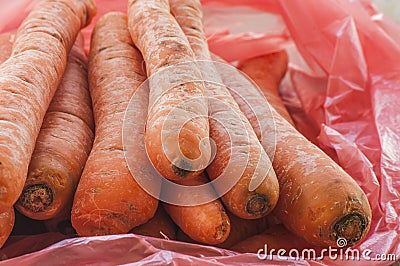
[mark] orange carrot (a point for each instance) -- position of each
(63, 144)
(272, 240)
(61, 224)
(227, 126)
(28, 80)
(177, 127)
(241, 229)
(318, 200)
(6, 225)
(6, 43)
(160, 226)
(6, 218)
(207, 223)
(267, 71)
(108, 199)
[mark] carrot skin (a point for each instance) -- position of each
(318, 200)
(241, 229)
(108, 200)
(229, 122)
(267, 71)
(63, 144)
(6, 43)
(274, 238)
(28, 80)
(207, 223)
(177, 145)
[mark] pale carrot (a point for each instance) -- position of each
(160, 226)
(207, 223)
(28, 81)
(230, 130)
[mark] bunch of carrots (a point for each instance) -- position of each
(63, 158)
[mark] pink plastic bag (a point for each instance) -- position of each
(342, 90)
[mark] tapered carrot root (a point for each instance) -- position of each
(28, 80)
(177, 127)
(207, 223)
(61, 224)
(63, 144)
(272, 240)
(7, 220)
(160, 226)
(318, 200)
(241, 229)
(230, 130)
(108, 199)
(267, 71)
(26, 226)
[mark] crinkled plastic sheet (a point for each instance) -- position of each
(342, 89)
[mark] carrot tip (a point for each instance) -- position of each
(258, 205)
(221, 232)
(351, 227)
(36, 198)
(182, 169)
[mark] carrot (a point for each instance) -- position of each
(231, 131)
(28, 80)
(267, 71)
(7, 219)
(108, 200)
(318, 200)
(63, 144)
(177, 128)
(6, 43)
(241, 229)
(272, 240)
(207, 223)
(160, 226)
(61, 224)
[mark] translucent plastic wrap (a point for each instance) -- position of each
(342, 89)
